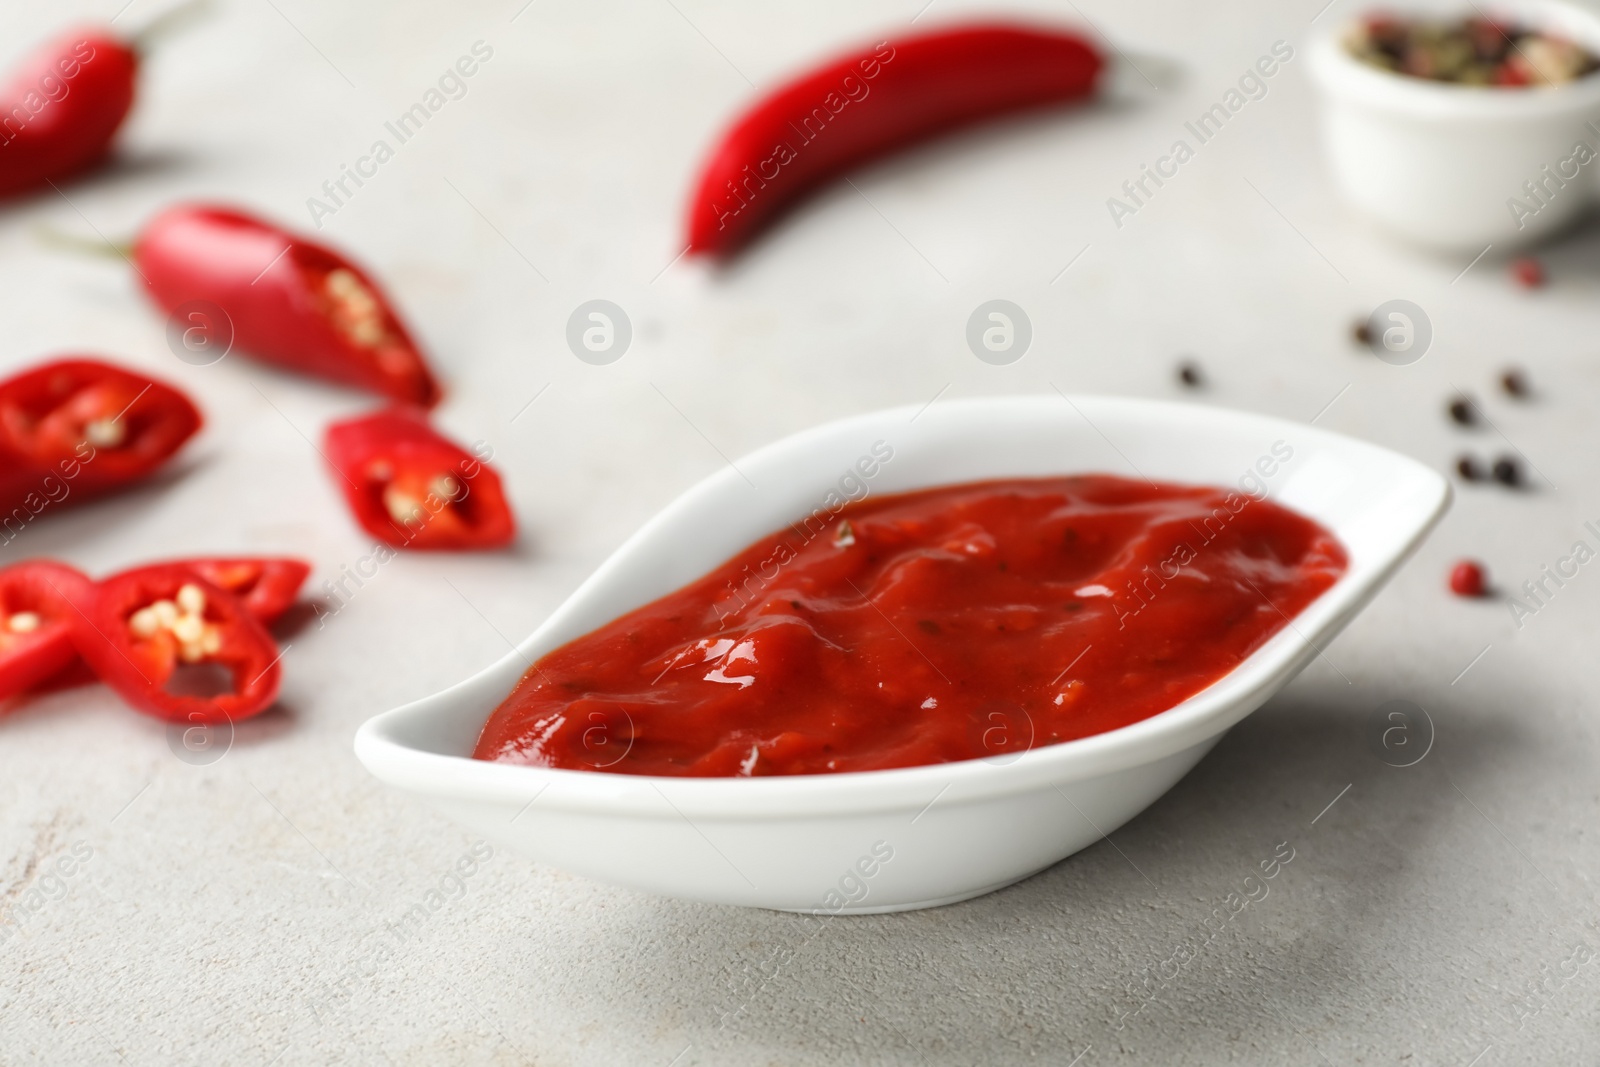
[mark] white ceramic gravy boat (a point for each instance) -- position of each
(920, 836)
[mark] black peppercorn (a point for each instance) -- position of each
(1189, 374)
(1507, 471)
(1515, 383)
(1463, 412)
(1469, 469)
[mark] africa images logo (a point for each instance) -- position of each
(451, 85)
(1252, 86)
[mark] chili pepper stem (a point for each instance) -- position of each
(73, 243)
(164, 25)
(1139, 74)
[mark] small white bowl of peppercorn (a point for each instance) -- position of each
(1457, 129)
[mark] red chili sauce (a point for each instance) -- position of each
(963, 622)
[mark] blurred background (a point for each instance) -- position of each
(232, 907)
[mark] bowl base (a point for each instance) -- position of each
(918, 905)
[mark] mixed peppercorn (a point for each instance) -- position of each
(1467, 578)
(1464, 411)
(1474, 51)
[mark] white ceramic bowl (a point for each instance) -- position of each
(919, 836)
(1440, 164)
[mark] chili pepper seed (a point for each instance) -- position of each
(104, 433)
(185, 619)
(23, 622)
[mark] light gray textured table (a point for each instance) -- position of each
(233, 912)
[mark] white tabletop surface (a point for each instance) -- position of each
(229, 912)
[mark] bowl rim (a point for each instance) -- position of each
(1344, 76)
(1190, 723)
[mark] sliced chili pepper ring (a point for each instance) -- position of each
(36, 622)
(141, 626)
(411, 487)
(95, 425)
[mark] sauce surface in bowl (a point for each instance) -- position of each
(961, 622)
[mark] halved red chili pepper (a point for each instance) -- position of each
(61, 107)
(265, 585)
(410, 487)
(289, 301)
(73, 428)
(138, 628)
(36, 627)
(872, 102)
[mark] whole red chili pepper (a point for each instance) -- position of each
(870, 103)
(36, 622)
(412, 488)
(289, 301)
(72, 429)
(61, 106)
(137, 628)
